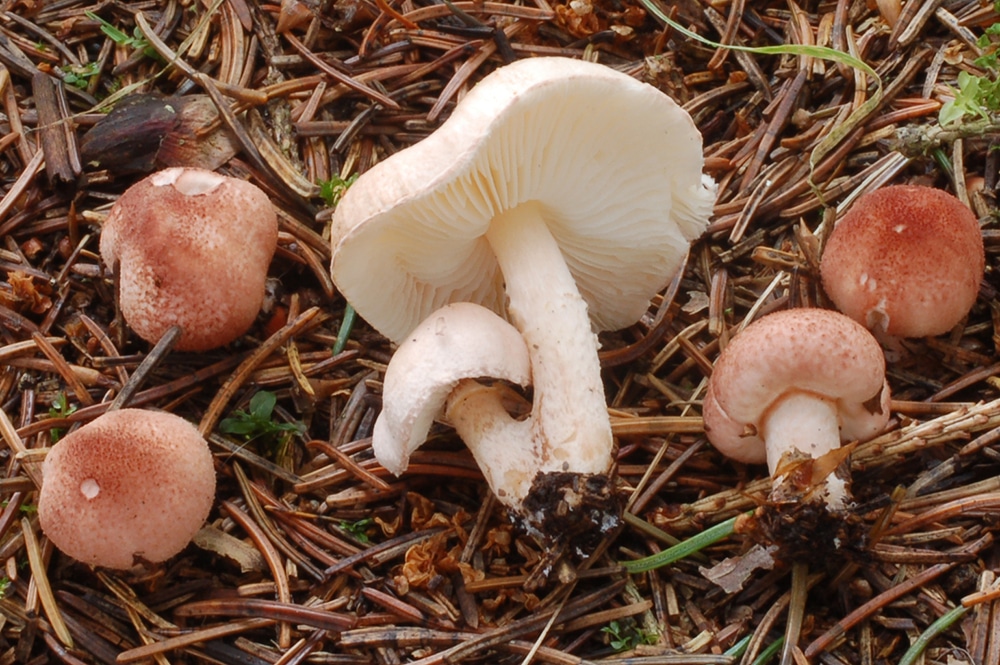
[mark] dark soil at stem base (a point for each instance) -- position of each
(572, 508)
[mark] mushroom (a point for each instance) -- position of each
(905, 261)
(131, 484)
(191, 248)
(561, 194)
(437, 364)
(790, 389)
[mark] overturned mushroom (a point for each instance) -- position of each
(561, 194)
(191, 248)
(436, 366)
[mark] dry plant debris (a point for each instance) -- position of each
(313, 553)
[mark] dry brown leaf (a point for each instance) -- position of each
(34, 297)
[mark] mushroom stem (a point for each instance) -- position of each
(503, 447)
(806, 424)
(570, 425)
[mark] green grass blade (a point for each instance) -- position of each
(684, 549)
(769, 652)
(740, 648)
(822, 52)
(933, 630)
(345, 329)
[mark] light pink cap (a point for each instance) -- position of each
(132, 483)
(813, 351)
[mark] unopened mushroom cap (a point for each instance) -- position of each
(906, 260)
(614, 165)
(192, 248)
(814, 351)
(132, 483)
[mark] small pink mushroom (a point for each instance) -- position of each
(191, 248)
(793, 386)
(905, 261)
(132, 484)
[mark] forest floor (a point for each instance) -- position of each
(313, 552)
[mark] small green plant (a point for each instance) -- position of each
(26, 508)
(977, 95)
(136, 40)
(4, 585)
(258, 422)
(60, 408)
(358, 529)
(79, 76)
(333, 189)
(625, 635)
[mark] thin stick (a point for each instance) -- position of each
(148, 364)
(274, 562)
(826, 639)
(41, 579)
(796, 611)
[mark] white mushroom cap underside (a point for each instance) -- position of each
(614, 164)
(809, 350)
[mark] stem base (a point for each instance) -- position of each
(576, 508)
(808, 531)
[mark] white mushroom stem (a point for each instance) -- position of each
(808, 424)
(438, 365)
(503, 448)
(569, 420)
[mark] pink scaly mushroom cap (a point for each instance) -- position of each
(905, 260)
(191, 248)
(814, 351)
(130, 484)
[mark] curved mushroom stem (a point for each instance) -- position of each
(570, 425)
(552, 466)
(503, 447)
(804, 424)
